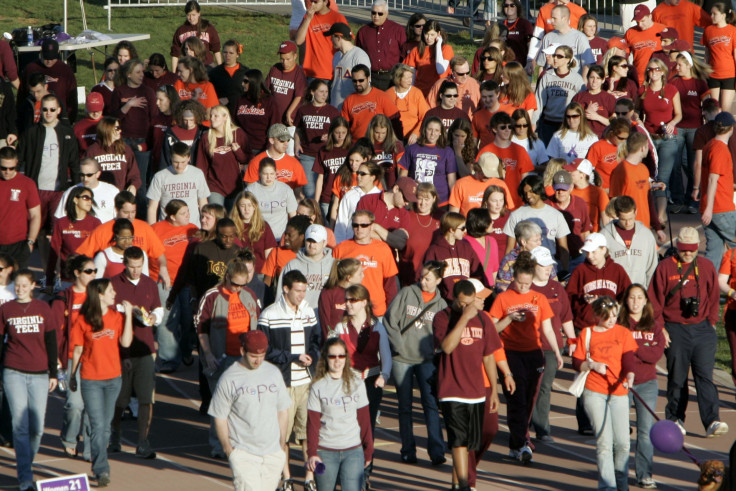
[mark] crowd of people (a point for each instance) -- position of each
(375, 209)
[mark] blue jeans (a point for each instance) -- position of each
(99, 400)
(74, 418)
(345, 464)
(404, 374)
(27, 394)
(644, 420)
(540, 415)
(307, 162)
(610, 418)
(667, 153)
(720, 230)
(686, 158)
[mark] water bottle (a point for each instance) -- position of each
(30, 36)
(665, 135)
(61, 378)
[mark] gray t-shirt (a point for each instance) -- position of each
(250, 401)
(48, 176)
(275, 202)
(342, 79)
(575, 40)
(190, 186)
(550, 219)
(339, 428)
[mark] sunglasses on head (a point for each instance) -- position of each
(361, 225)
(335, 357)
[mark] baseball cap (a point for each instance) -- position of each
(287, 47)
(594, 241)
(543, 257)
(316, 233)
(640, 12)
(280, 132)
(617, 42)
(550, 50)
(725, 118)
(489, 165)
(562, 180)
(689, 239)
(254, 342)
(95, 102)
(680, 45)
(341, 29)
(582, 165)
(408, 187)
(50, 49)
(669, 33)
(480, 290)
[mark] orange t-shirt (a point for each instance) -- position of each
(481, 124)
(717, 160)
(412, 109)
(318, 50)
(378, 264)
(597, 200)
(426, 296)
(238, 322)
(643, 44)
(721, 43)
(524, 335)
(607, 347)
(468, 193)
(101, 356)
(633, 181)
(544, 19)
(426, 71)
(288, 170)
(276, 261)
(516, 161)
(359, 110)
(175, 241)
(683, 17)
(529, 103)
(602, 154)
(728, 267)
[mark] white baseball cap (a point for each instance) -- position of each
(543, 256)
(480, 290)
(315, 232)
(593, 242)
(550, 50)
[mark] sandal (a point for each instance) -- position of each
(70, 452)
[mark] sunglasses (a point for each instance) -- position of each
(90, 271)
(458, 74)
(2, 268)
(521, 126)
(111, 70)
(622, 137)
(362, 174)
(361, 225)
(654, 69)
(379, 14)
(572, 116)
(622, 113)
(85, 197)
(504, 126)
(116, 128)
(49, 109)
(450, 95)
(246, 81)
(354, 300)
(418, 26)
(8, 169)
(336, 357)
(486, 58)
(238, 285)
(559, 57)
(623, 65)
(359, 80)
(83, 174)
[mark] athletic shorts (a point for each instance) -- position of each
(464, 424)
(722, 83)
(141, 378)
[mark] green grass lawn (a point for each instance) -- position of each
(723, 353)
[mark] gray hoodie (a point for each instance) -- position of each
(316, 272)
(640, 260)
(416, 344)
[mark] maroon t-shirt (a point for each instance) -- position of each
(26, 325)
(18, 195)
(388, 219)
(61, 81)
(222, 168)
(331, 309)
(7, 61)
(144, 294)
(578, 220)
(606, 104)
(66, 238)
(168, 78)
(255, 120)
(387, 160)
(626, 235)
(560, 304)
(598, 46)
(497, 232)
(136, 122)
(657, 109)
(285, 86)
(159, 125)
(313, 123)
(209, 37)
(630, 87)
(267, 241)
(327, 163)
(459, 375)
(651, 348)
(448, 116)
(120, 170)
(691, 94)
(520, 32)
(420, 229)
(86, 132)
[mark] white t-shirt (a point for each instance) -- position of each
(7, 292)
(570, 147)
(104, 206)
(190, 186)
(107, 255)
(48, 176)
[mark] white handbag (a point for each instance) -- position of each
(578, 385)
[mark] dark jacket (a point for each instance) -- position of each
(170, 138)
(30, 150)
(7, 110)
(227, 86)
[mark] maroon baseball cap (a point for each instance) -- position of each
(254, 342)
(408, 187)
(680, 45)
(50, 49)
(669, 33)
(95, 102)
(640, 12)
(287, 47)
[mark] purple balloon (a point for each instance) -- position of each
(666, 436)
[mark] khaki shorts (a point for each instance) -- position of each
(298, 412)
(141, 378)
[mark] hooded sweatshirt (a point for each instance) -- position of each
(462, 263)
(316, 271)
(610, 280)
(640, 259)
(416, 344)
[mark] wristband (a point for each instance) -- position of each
(572, 341)
(508, 375)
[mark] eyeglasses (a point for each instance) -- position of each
(418, 26)
(486, 58)
(504, 127)
(361, 225)
(8, 169)
(354, 300)
(85, 197)
(572, 116)
(521, 126)
(49, 109)
(622, 113)
(379, 14)
(362, 174)
(359, 80)
(458, 74)
(336, 357)
(559, 57)
(654, 69)
(449, 95)
(83, 174)
(90, 271)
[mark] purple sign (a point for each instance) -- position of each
(77, 482)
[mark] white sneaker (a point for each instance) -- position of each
(515, 454)
(526, 455)
(681, 426)
(716, 428)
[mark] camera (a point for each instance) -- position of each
(689, 306)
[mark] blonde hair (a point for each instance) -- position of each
(553, 166)
(228, 130)
(584, 129)
(257, 224)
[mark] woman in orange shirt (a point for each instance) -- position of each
(97, 335)
(719, 40)
(431, 58)
(609, 357)
(409, 99)
(195, 84)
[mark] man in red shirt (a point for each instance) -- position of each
(360, 107)
(575, 211)
(481, 122)
(717, 206)
(287, 82)
(389, 209)
(468, 88)
(382, 39)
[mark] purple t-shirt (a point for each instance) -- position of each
(430, 164)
